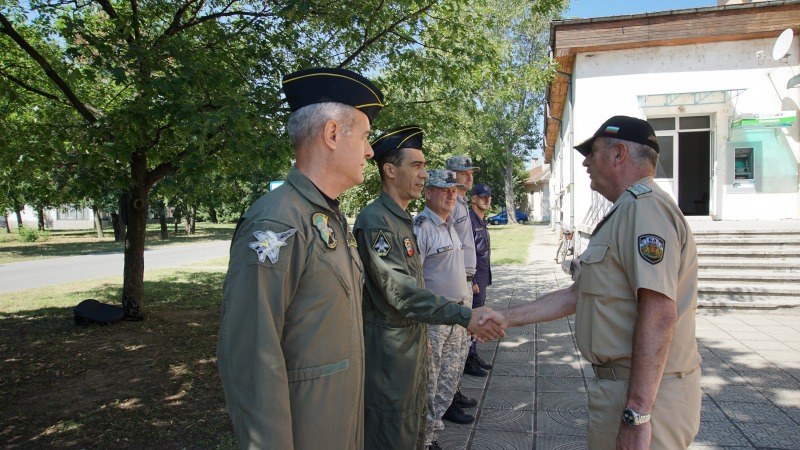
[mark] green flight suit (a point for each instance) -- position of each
(290, 349)
(395, 306)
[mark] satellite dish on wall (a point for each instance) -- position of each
(782, 44)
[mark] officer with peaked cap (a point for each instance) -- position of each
(396, 304)
(634, 299)
(290, 350)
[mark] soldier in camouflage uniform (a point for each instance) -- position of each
(442, 258)
(396, 304)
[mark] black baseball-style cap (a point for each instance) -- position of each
(408, 136)
(624, 128)
(319, 85)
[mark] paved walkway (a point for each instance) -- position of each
(535, 395)
(67, 269)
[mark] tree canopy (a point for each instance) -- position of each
(111, 96)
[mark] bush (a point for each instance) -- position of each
(32, 235)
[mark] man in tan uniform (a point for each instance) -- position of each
(290, 350)
(634, 299)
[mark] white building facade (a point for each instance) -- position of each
(724, 111)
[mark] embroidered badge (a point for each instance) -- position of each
(320, 221)
(381, 245)
(444, 249)
(409, 246)
(639, 189)
(461, 219)
(651, 248)
(351, 240)
(269, 243)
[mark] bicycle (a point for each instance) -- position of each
(566, 246)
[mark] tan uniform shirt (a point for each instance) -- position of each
(290, 349)
(643, 242)
(463, 227)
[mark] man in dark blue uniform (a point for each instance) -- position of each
(481, 202)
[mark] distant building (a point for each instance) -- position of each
(65, 218)
(537, 193)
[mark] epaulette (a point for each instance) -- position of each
(419, 219)
(639, 189)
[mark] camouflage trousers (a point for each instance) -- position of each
(449, 345)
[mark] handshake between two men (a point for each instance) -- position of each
(486, 324)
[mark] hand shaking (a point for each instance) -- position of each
(486, 324)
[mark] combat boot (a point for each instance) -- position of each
(472, 368)
(457, 415)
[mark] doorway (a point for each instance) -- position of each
(684, 168)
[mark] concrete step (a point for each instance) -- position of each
(757, 275)
(748, 240)
(766, 251)
(743, 288)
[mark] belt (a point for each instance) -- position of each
(624, 373)
(469, 278)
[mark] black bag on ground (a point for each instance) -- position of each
(91, 311)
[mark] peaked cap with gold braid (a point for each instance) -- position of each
(408, 136)
(318, 85)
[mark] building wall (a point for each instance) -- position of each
(610, 83)
(66, 220)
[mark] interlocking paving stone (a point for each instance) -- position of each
(509, 400)
(547, 442)
(517, 346)
(711, 412)
(453, 438)
(514, 369)
(572, 369)
(512, 383)
(755, 413)
(561, 422)
(735, 393)
(771, 435)
(505, 420)
(470, 382)
(720, 433)
(560, 383)
(501, 440)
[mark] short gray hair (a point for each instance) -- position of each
(640, 154)
(305, 123)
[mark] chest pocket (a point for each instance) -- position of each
(594, 278)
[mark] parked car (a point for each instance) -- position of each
(502, 218)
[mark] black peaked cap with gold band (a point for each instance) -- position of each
(319, 85)
(408, 136)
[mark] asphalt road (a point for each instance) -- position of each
(48, 272)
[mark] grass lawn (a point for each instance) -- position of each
(85, 242)
(149, 384)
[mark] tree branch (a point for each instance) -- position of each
(30, 88)
(370, 41)
(108, 8)
(82, 108)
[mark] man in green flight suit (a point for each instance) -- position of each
(290, 350)
(396, 305)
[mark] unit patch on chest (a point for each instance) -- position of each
(409, 247)
(381, 246)
(651, 248)
(320, 222)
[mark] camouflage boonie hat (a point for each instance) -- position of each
(442, 179)
(461, 162)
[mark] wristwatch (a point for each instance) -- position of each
(633, 418)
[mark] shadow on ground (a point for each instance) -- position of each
(149, 384)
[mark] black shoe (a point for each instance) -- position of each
(434, 446)
(472, 368)
(457, 415)
(481, 363)
(463, 401)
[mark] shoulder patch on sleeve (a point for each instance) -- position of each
(651, 248)
(418, 221)
(639, 189)
(270, 243)
(381, 245)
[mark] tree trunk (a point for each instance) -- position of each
(212, 212)
(18, 213)
(119, 227)
(176, 219)
(509, 189)
(98, 224)
(162, 220)
(193, 219)
(40, 213)
(5, 220)
(133, 273)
